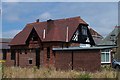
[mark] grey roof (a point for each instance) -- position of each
(97, 40)
(5, 40)
(4, 43)
(4, 46)
(111, 38)
(84, 48)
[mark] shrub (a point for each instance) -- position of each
(84, 76)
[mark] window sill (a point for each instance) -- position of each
(105, 62)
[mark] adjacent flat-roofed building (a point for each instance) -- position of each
(4, 47)
(112, 39)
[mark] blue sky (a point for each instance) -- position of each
(60, 0)
(101, 16)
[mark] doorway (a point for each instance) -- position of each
(37, 51)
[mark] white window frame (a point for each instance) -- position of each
(104, 52)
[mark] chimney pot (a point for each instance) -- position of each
(37, 20)
(49, 20)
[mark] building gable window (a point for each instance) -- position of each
(25, 52)
(20, 52)
(34, 36)
(105, 56)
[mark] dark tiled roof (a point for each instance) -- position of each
(96, 36)
(95, 33)
(22, 36)
(55, 30)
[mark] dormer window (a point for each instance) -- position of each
(84, 30)
(81, 34)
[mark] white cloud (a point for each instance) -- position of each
(10, 34)
(45, 16)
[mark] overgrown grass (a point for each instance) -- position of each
(17, 72)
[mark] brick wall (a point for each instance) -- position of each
(23, 60)
(75, 44)
(87, 60)
(63, 60)
(48, 62)
(82, 60)
(8, 61)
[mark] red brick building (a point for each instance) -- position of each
(51, 43)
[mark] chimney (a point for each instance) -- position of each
(37, 20)
(67, 34)
(50, 24)
(44, 34)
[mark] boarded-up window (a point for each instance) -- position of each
(12, 55)
(48, 52)
(30, 60)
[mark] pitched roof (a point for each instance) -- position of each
(111, 38)
(22, 36)
(95, 33)
(55, 30)
(96, 36)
